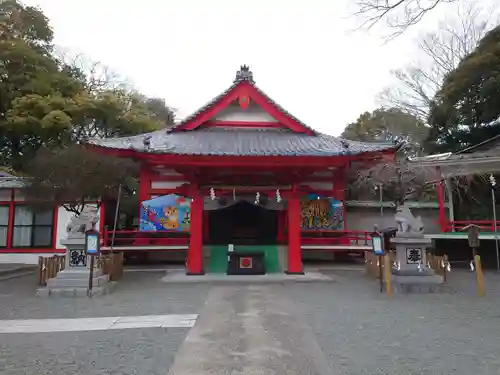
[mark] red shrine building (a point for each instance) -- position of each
(241, 173)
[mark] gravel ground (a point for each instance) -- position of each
(123, 352)
(138, 293)
(360, 331)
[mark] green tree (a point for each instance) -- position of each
(465, 110)
(29, 24)
(27, 74)
(45, 102)
(71, 175)
(389, 125)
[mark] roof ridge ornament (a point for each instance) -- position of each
(244, 74)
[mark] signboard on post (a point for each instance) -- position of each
(377, 244)
(92, 242)
(92, 248)
(378, 249)
(473, 235)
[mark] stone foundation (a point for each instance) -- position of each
(75, 283)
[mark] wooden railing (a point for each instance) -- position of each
(372, 263)
(48, 267)
(438, 263)
(484, 225)
(111, 264)
(341, 237)
(138, 238)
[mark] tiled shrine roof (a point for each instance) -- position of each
(240, 141)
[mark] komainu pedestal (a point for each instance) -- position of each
(411, 273)
(73, 281)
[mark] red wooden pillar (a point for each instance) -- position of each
(294, 249)
(442, 210)
(339, 191)
(10, 227)
(144, 185)
(195, 252)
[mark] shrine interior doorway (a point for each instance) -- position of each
(243, 223)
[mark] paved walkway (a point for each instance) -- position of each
(97, 324)
(250, 330)
(263, 329)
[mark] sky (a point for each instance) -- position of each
(306, 55)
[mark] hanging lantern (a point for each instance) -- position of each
(278, 196)
(257, 198)
(212, 194)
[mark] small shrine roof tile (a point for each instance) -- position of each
(241, 142)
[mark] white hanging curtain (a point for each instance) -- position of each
(23, 221)
(4, 225)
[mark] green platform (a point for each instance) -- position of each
(218, 257)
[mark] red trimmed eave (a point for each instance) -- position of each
(243, 88)
(245, 161)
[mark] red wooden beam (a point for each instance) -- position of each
(248, 90)
(244, 124)
(269, 162)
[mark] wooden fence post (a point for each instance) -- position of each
(387, 275)
(40, 270)
(446, 262)
(479, 276)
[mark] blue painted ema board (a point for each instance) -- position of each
(377, 245)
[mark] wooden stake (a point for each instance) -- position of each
(387, 275)
(445, 272)
(479, 276)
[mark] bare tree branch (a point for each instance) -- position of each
(402, 180)
(399, 15)
(98, 76)
(443, 49)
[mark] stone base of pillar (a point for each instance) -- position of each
(413, 276)
(419, 284)
(294, 273)
(75, 283)
(195, 273)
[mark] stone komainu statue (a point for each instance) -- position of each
(86, 220)
(407, 223)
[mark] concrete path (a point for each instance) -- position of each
(97, 324)
(180, 277)
(250, 330)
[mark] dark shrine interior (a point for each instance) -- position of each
(243, 223)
